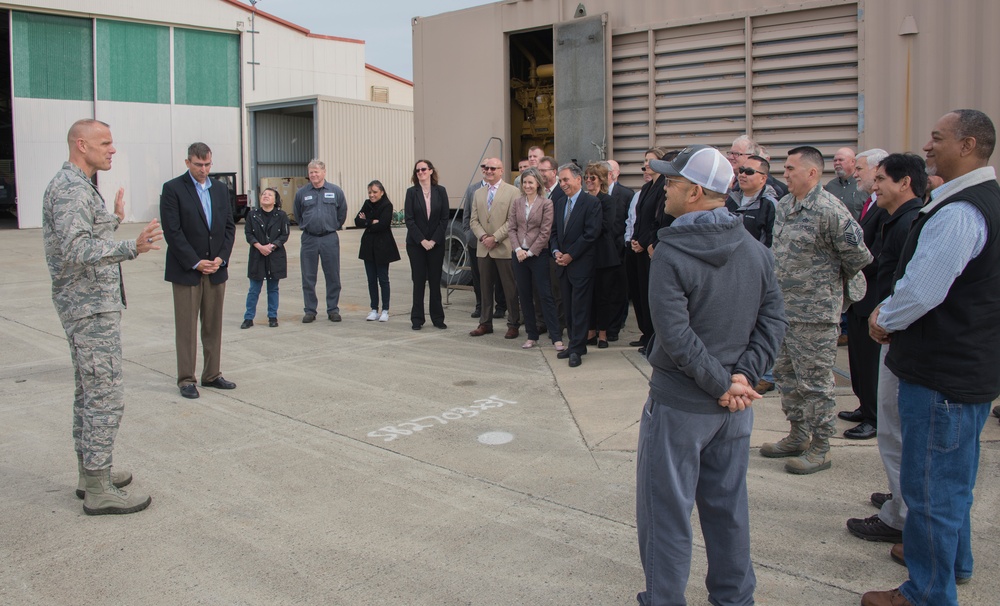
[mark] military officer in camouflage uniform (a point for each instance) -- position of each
(87, 290)
(818, 248)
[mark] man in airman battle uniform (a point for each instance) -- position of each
(87, 290)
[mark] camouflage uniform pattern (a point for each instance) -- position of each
(87, 291)
(817, 246)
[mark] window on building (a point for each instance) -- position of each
(206, 68)
(53, 57)
(380, 94)
(133, 62)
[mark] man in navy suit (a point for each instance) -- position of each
(575, 227)
(199, 229)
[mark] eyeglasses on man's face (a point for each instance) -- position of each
(488, 168)
(736, 154)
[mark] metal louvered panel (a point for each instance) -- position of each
(805, 80)
(799, 68)
(630, 99)
(700, 83)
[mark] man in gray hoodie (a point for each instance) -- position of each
(719, 319)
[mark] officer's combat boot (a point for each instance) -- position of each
(120, 478)
(792, 445)
(816, 458)
(102, 497)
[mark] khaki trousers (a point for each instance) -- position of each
(204, 301)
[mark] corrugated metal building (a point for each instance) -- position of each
(832, 73)
(164, 75)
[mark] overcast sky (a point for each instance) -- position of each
(384, 25)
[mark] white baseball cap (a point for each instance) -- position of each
(700, 164)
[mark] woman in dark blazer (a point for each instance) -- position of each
(529, 225)
(378, 247)
(609, 287)
(426, 212)
(266, 231)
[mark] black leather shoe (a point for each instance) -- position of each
(440, 325)
(333, 317)
(642, 350)
(272, 322)
(612, 337)
(476, 313)
(854, 416)
(562, 355)
(863, 431)
(189, 391)
(415, 326)
(219, 383)
(874, 529)
(592, 340)
(635, 343)
(574, 360)
(602, 344)
(879, 498)
(499, 313)
(996, 411)
(246, 324)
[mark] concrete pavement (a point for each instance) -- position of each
(363, 462)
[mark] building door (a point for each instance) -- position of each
(580, 100)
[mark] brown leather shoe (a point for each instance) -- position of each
(884, 598)
(896, 553)
(512, 333)
(482, 329)
(763, 387)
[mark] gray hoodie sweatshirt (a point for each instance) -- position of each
(716, 308)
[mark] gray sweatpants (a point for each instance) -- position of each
(683, 459)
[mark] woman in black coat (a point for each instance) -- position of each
(266, 231)
(609, 285)
(378, 247)
(426, 212)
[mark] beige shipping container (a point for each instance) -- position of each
(833, 73)
(286, 188)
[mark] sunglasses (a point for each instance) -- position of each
(489, 168)
(421, 170)
(746, 170)
(591, 177)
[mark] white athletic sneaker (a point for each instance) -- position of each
(372, 315)
(385, 316)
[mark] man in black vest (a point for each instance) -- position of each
(943, 320)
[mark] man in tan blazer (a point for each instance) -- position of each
(490, 207)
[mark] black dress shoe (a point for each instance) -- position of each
(416, 326)
(440, 325)
(874, 529)
(863, 431)
(592, 340)
(642, 350)
(574, 360)
(189, 391)
(612, 337)
(879, 498)
(562, 355)
(476, 313)
(602, 344)
(219, 383)
(854, 416)
(272, 322)
(246, 324)
(635, 343)
(499, 312)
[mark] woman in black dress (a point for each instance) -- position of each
(609, 285)
(378, 247)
